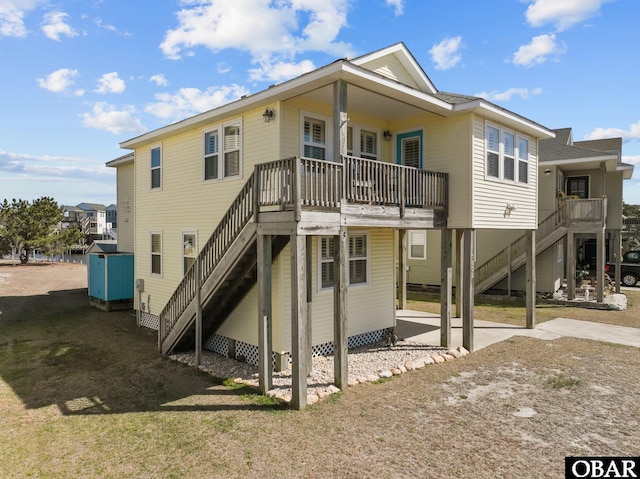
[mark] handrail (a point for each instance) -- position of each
(569, 212)
(231, 224)
(295, 183)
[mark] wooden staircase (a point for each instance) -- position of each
(222, 274)
(550, 230)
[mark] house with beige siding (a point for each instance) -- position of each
(580, 221)
(269, 229)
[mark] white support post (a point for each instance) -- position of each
(402, 269)
(198, 339)
(600, 261)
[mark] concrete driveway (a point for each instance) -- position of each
(425, 328)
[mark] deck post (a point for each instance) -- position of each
(571, 266)
(309, 270)
(198, 340)
(265, 371)
(446, 278)
(340, 119)
(600, 260)
(468, 244)
(531, 279)
(340, 319)
(402, 269)
(458, 272)
(298, 321)
(617, 254)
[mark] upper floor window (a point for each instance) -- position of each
(368, 145)
(358, 260)
(156, 167)
(578, 186)
(223, 151)
(314, 141)
(507, 155)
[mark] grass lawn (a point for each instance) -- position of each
(84, 394)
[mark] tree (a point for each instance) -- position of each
(26, 226)
(630, 211)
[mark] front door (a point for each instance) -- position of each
(409, 149)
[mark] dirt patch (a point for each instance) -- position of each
(83, 393)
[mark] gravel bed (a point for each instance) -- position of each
(365, 364)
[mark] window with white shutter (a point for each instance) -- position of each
(223, 151)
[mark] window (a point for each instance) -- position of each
(189, 250)
(156, 253)
(507, 155)
(223, 151)
(578, 186)
(314, 139)
(417, 244)
(156, 167)
(368, 147)
(358, 260)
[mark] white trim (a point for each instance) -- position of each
(193, 232)
(501, 155)
(156, 146)
(356, 132)
(367, 258)
(423, 243)
(220, 127)
(328, 132)
(151, 253)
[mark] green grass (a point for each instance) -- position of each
(562, 381)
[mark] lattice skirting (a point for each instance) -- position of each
(148, 320)
(248, 352)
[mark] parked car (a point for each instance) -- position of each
(629, 268)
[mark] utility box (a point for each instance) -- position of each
(111, 284)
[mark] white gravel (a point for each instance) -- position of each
(365, 363)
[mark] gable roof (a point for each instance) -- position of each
(392, 73)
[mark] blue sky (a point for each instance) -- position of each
(80, 76)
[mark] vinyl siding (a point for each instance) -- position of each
(126, 207)
(187, 203)
(491, 196)
(390, 67)
(614, 200)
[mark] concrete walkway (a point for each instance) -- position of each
(425, 328)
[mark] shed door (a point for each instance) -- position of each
(409, 149)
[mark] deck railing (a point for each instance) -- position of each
(296, 183)
(570, 211)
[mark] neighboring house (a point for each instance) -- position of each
(91, 219)
(580, 211)
(112, 216)
(329, 171)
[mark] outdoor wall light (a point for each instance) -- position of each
(547, 171)
(509, 209)
(268, 115)
(387, 135)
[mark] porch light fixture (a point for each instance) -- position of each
(268, 115)
(387, 135)
(547, 171)
(509, 209)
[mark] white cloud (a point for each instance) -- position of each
(223, 68)
(504, 96)
(397, 5)
(446, 54)
(110, 83)
(272, 32)
(12, 13)
(159, 80)
(58, 81)
(562, 13)
(280, 71)
(50, 166)
(54, 26)
(538, 50)
(633, 133)
(106, 117)
(191, 101)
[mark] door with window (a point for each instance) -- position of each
(578, 186)
(409, 149)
